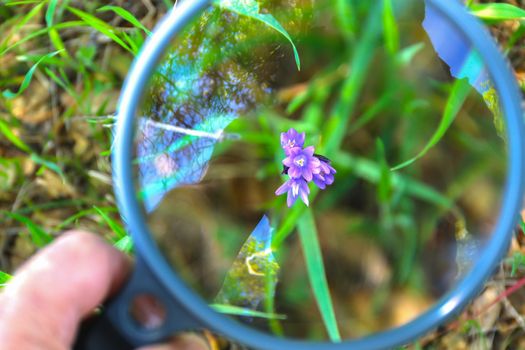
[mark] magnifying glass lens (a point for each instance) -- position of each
(316, 172)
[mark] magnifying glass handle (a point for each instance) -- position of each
(99, 333)
(115, 328)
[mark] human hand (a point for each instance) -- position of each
(44, 304)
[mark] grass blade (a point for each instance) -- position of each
(240, 311)
(335, 129)
(38, 235)
(250, 8)
(70, 24)
(27, 79)
(15, 140)
(125, 15)
(497, 11)
(113, 225)
(390, 30)
(51, 12)
(48, 164)
(100, 26)
(4, 278)
(125, 244)
(34, 11)
(316, 272)
(346, 18)
(384, 186)
(457, 97)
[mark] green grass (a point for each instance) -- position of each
(81, 54)
(316, 272)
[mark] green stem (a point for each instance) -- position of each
(316, 272)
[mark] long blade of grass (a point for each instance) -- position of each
(27, 79)
(51, 12)
(48, 164)
(497, 11)
(361, 59)
(23, 2)
(53, 32)
(316, 272)
(4, 278)
(390, 30)
(125, 244)
(10, 135)
(113, 225)
(346, 18)
(405, 56)
(70, 24)
(38, 235)
(100, 26)
(384, 186)
(240, 311)
(250, 8)
(371, 172)
(125, 15)
(16, 29)
(458, 95)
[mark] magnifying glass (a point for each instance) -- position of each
(313, 175)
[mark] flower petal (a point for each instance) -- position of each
(288, 161)
(307, 174)
(283, 188)
(304, 187)
(300, 139)
(304, 198)
(309, 151)
(329, 179)
(290, 200)
(294, 172)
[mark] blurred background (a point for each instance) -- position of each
(62, 64)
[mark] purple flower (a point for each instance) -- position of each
(302, 163)
(325, 176)
(302, 166)
(292, 139)
(296, 188)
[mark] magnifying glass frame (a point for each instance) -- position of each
(155, 276)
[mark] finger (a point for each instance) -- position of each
(45, 301)
(187, 341)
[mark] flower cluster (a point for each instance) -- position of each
(302, 166)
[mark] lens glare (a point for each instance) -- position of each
(315, 172)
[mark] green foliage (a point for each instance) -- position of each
(115, 226)
(240, 311)
(384, 188)
(497, 11)
(14, 139)
(518, 262)
(126, 15)
(38, 235)
(49, 165)
(104, 28)
(316, 272)
(474, 327)
(358, 130)
(27, 79)
(4, 278)
(458, 94)
(124, 244)
(390, 30)
(250, 8)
